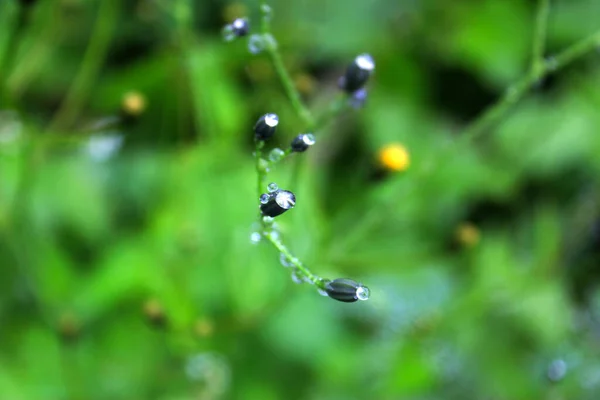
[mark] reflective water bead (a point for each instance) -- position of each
(285, 261)
(268, 220)
(228, 33)
(276, 154)
(267, 11)
(264, 198)
(272, 187)
(297, 277)
(363, 293)
(255, 237)
(256, 44)
(556, 370)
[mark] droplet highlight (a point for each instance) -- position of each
(276, 155)
(272, 187)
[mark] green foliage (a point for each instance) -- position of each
(130, 274)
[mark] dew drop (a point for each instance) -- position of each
(551, 63)
(557, 370)
(256, 44)
(264, 199)
(272, 187)
(255, 237)
(276, 154)
(363, 293)
(285, 261)
(267, 11)
(297, 277)
(269, 41)
(268, 220)
(228, 33)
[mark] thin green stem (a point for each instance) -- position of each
(288, 84)
(539, 36)
(337, 106)
(261, 171)
(293, 260)
(90, 67)
(517, 92)
(9, 50)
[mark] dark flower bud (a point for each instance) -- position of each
(358, 73)
(277, 202)
(346, 290)
(302, 142)
(240, 27)
(265, 126)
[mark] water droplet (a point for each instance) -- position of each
(276, 154)
(275, 235)
(269, 41)
(363, 293)
(285, 261)
(557, 370)
(551, 63)
(255, 237)
(256, 44)
(267, 11)
(228, 33)
(297, 276)
(268, 220)
(264, 199)
(272, 187)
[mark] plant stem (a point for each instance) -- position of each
(539, 36)
(288, 84)
(517, 92)
(261, 172)
(293, 260)
(9, 50)
(92, 61)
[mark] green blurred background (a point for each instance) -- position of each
(126, 266)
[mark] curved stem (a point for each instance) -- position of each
(90, 67)
(539, 36)
(288, 84)
(293, 260)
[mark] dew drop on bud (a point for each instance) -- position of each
(363, 293)
(276, 154)
(228, 33)
(256, 44)
(272, 187)
(268, 220)
(255, 237)
(264, 198)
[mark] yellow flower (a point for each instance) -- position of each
(134, 104)
(467, 234)
(394, 157)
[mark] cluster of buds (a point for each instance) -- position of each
(277, 201)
